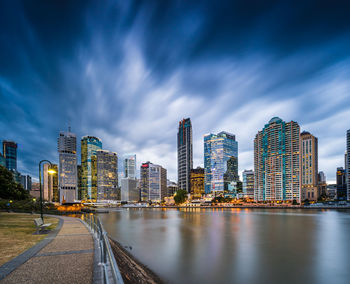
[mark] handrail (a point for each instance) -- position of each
(111, 272)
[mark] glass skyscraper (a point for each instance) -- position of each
(107, 175)
(153, 182)
(220, 162)
(129, 163)
(248, 184)
(9, 150)
(89, 146)
(184, 154)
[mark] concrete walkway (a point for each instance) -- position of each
(68, 258)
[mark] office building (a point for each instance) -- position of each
(50, 184)
(276, 162)
(2, 161)
(129, 163)
(309, 166)
(9, 151)
(220, 162)
(341, 184)
(153, 182)
(197, 183)
(347, 162)
(130, 191)
(248, 184)
(67, 170)
(89, 146)
(184, 154)
(322, 184)
(26, 182)
(107, 175)
(79, 182)
(171, 188)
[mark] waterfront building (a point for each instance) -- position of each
(50, 184)
(171, 188)
(9, 150)
(67, 170)
(220, 162)
(276, 162)
(248, 184)
(2, 161)
(332, 191)
(347, 162)
(107, 175)
(130, 191)
(26, 182)
(309, 166)
(129, 163)
(89, 147)
(153, 182)
(197, 182)
(341, 184)
(322, 184)
(184, 154)
(79, 182)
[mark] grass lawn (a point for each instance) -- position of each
(16, 233)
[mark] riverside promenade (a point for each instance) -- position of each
(65, 256)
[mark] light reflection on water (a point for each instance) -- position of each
(237, 245)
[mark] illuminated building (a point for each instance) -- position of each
(130, 191)
(220, 162)
(50, 184)
(276, 162)
(322, 184)
(153, 182)
(107, 175)
(341, 184)
(80, 174)
(197, 182)
(171, 188)
(347, 162)
(184, 154)
(248, 184)
(89, 146)
(129, 163)
(67, 170)
(9, 150)
(309, 166)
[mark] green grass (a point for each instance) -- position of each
(16, 233)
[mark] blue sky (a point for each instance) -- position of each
(128, 71)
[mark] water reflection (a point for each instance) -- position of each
(237, 245)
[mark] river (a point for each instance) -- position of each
(237, 245)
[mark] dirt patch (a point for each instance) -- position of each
(130, 268)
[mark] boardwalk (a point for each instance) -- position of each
(68, 258)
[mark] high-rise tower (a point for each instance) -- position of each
(107, 175)
(153, 182)
(347, 162)
(9, 150)
(184, 154)
(129, 163)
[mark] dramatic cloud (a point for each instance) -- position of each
(128, 71)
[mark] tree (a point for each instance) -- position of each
(9, 188)
(180, 196)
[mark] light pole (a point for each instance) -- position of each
(50, 171)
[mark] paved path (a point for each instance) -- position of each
(68, 258)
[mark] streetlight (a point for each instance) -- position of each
(50, 171)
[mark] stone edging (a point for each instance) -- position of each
(13, 264)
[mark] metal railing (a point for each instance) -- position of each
(111, 273)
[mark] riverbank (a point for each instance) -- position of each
(242, 207)
(130, 268)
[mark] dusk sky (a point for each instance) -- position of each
(128, 71)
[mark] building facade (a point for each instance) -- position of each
(67, 170)
(248, 184)
(197, 182)
(130, 191)
(89, 147)
(129, 163)
(171, 188)
(347, 162)
(9, 150)
(184, 154)
(309, 166)
(107, 175)
(341, 184)
(50, 184)
(2, 161)
(220, 162)
(26, 182)
(153, 182)
(277, 162)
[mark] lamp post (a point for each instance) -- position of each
(50, 171)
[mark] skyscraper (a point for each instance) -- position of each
(2, 161)
(129, 163)
(26, 182)
(197, 182)
(9, 150)
(67, 172)
(107, 175)
(184, 154)
(341, 184)
(348, 164)
(129, 190)
(309, 166)
(220, 162)
(276, 161)
(153, 182)
(248, 184)
(89, 146)
(50, 184)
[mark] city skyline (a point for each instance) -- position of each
(226, 71)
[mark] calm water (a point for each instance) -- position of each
(237, 245)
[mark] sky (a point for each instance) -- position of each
(129, 71)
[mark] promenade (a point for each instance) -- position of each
(67, 257)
